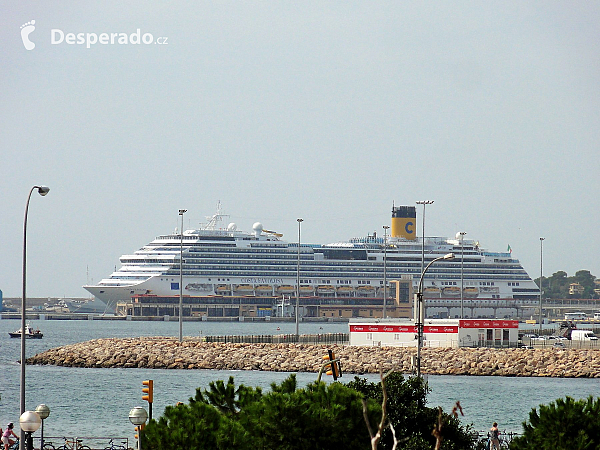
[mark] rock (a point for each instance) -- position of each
(164, 352)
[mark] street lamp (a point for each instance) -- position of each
(42, 190)
(298, 281)
(424, 203)
(181, 213)
(43, 411)
(541, 273)
(138, 417)
(420, 318)
(462, 263)
(385, 228)
(29, 423)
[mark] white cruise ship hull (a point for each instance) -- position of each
(225, 261)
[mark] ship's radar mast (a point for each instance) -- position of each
(214, 220)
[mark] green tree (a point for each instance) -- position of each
(565, 424)
(287, 418)
(557, 286)
(411, 419)
(316, 417)
(586, 279)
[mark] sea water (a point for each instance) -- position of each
(96, 402)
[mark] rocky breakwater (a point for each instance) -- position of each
(168, 353)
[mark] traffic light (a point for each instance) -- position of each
(138, 429)
(335, 367)
(148, 391)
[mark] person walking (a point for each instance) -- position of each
(6, 436)
(494, 437)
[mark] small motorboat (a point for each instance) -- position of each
(30, 333)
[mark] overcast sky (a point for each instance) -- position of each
(329, 111)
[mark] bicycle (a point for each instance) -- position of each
(15, 445)
(113, 446)
(75, 444)
(48, 445)
(503, 442)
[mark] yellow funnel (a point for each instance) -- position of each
(404, 222)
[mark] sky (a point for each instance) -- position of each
(325, 110)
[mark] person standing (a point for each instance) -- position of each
(6, 436)
(494, 437)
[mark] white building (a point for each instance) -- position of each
(436, 332)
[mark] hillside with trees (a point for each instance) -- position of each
(557, 286)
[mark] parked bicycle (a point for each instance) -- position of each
(73, 444)
(113, 446)
(48, 445)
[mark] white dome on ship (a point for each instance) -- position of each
(257, 227)
(231, 227)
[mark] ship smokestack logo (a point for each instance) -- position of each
(404, 219)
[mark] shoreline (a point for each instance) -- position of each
(168, 353)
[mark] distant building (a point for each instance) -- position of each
(576, 289)
(436, 333)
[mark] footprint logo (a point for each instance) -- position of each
(26, 30)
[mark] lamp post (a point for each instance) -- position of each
(447, 257)
(42, 190)
(541, 273)
(181, 213)
(298, 281)
(424, 203)
(462, 263)
(43, 411)
(385, 228)
(29, 422)
(138, 417)
(420, 297)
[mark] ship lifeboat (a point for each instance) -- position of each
(325, 289)
(452, 290)
(286, 289)
(264, 289)
(199, 287)
(244, 288)
(471, 291)
(345, 289)
(306, 289)
(366, 290)
(432, 291)
(222, 288)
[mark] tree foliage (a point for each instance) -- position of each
(565, 424)
(319, 416)
(411, 418)
(287, 418)
(557, 286)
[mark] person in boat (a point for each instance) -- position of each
(6, 436)
(494, 437)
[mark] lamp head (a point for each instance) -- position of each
(43, 190)
(138, 416)
(182, 211)
(30, 421)
(300, 220)
(43, 411)
(449, 257)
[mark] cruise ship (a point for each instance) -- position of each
(224, 261)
